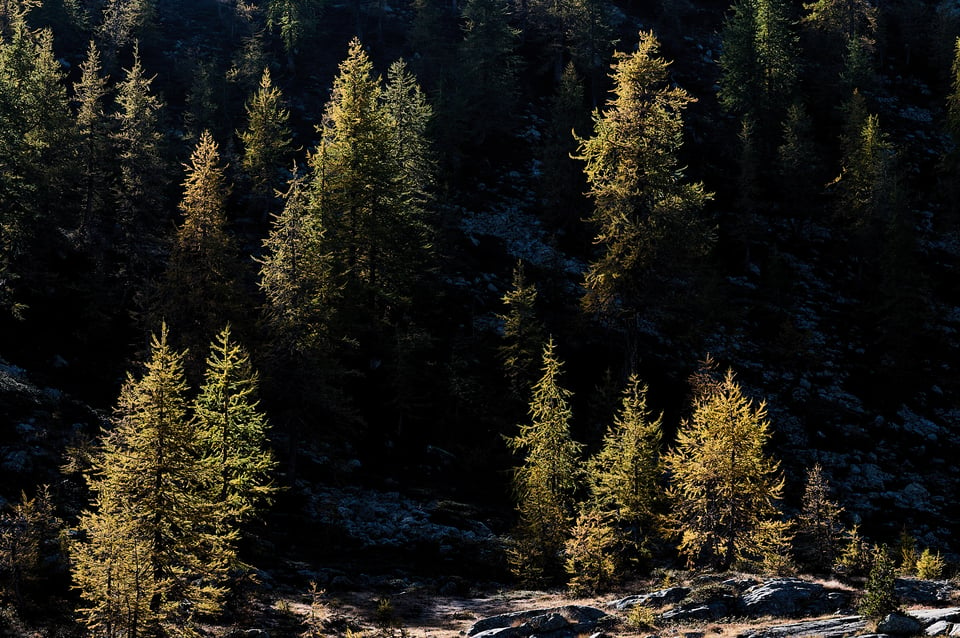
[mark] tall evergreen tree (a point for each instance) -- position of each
(544, 484)
(201, 288)
(232, 430)
(758, 62)
(868, 183)
(487, 55)
(154, 549)
(646, 214)
(724, 486)
(138, 143)
(35, 125)
(267, 142)
(93, 127)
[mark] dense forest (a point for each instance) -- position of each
(626, 283)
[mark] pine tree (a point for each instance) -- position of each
(267, 142)
(544, 484)
(868, 183)
(154, 548)
(645, 213)
(953, 99)
(201, 290)
(819, 528)
(624, 476)
(232, 430)
(522, 334)
(295, 21)
(797, 160)
(723, 485)
(125, 22)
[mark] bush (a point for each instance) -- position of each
(592, 554)
(641, 617)
(856, 556)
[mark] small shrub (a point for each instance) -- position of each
(929, 565)
(710, 592)
(385, 615)
(909, 555)
(641, 617)
(879, 598)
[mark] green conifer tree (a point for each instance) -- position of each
(819, 528)
(544, 484)
(267, 142)
(93, 128)
(154, 548)
(522, 335)
(723, 484)
(232, 430)
(624, 477)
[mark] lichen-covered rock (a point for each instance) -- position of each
(785, 597)
(557, 621)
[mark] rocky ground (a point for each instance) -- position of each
(722, 606)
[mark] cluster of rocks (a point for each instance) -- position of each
(779, 598)
(558, 622)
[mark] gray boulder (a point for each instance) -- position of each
(839, 627)
(659, 598)
(899, 625)
(784, 597)
(713, 610)
(556, 621)
(924, 592)
(929, 616)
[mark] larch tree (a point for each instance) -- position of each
(295, 21)
(267, 142)
(724, 487)
(868, 184)
(231, 430)
(201, 292)
(545, 482)
(366, 194)
(625, 475)
(647, 216)
(124, 22)
(154, 549)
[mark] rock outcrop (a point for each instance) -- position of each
(557, 622)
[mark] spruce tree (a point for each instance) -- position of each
(544, 484)
(154, 549)
(758, 62)
(724, 487)
(231, 430)
(647, 216)
(267, 142)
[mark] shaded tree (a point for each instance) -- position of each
(819, 530)
(267, 142)
(523, 334)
